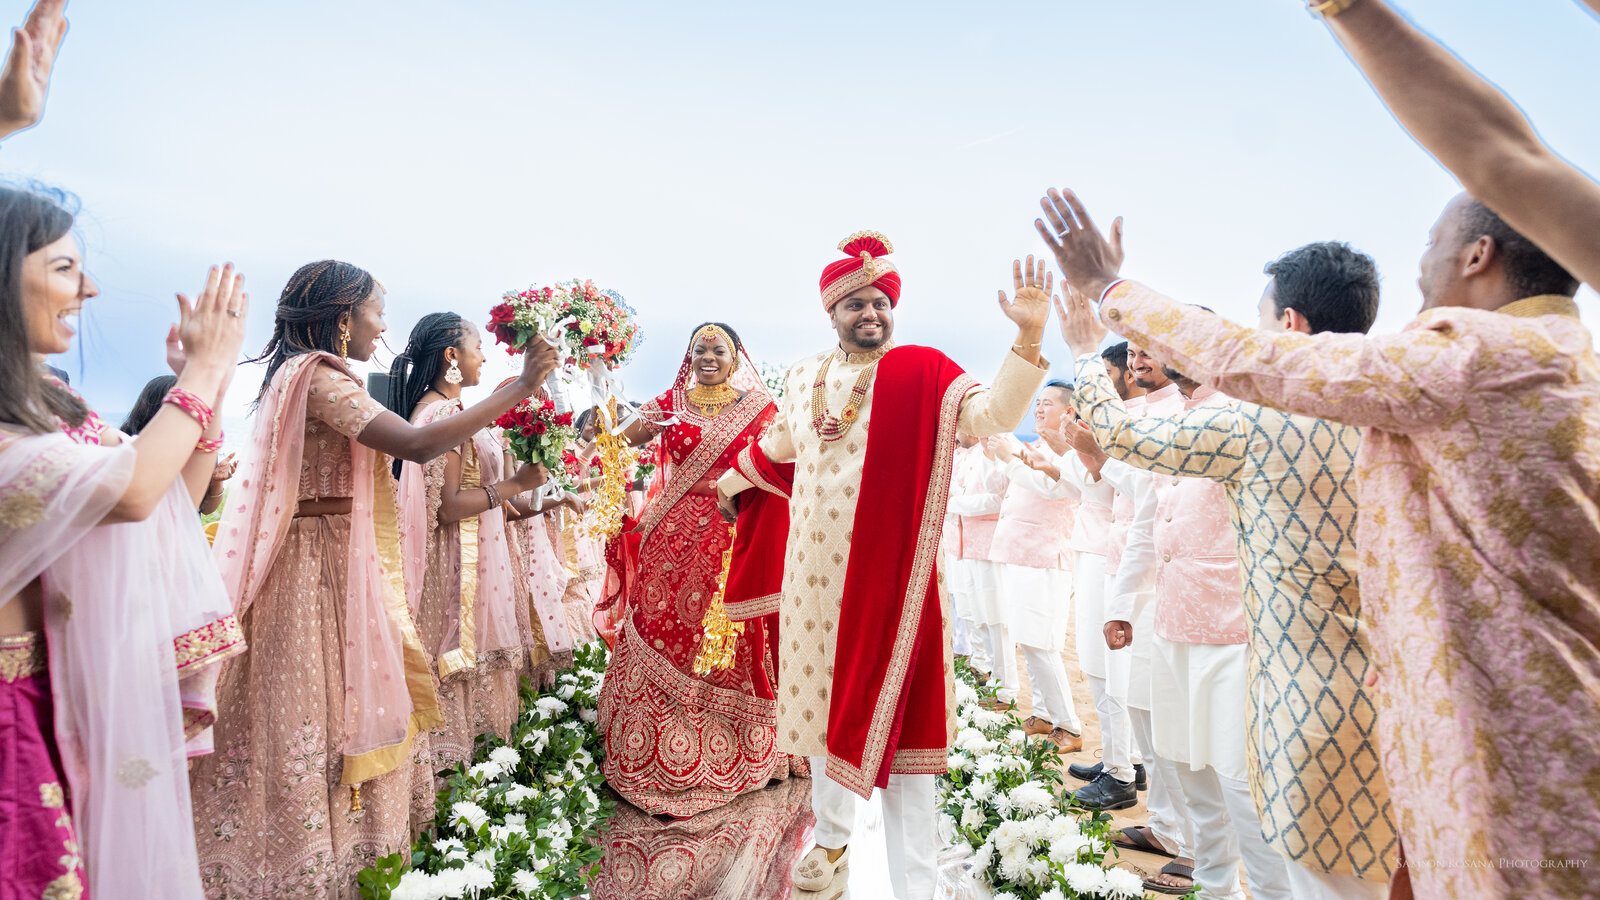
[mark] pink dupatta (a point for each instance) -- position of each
(389, 694)
(110, 617)
(487, 617)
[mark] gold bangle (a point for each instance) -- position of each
(1328, 9)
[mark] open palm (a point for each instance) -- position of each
(25, 80)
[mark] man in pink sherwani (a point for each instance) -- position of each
(1479, 534)
(983, 487)
(1182, 537)
(1030, 546)
(966, 638)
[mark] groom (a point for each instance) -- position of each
(864, 676)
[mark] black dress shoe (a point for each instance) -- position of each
(1090, 773)
(1108, 793)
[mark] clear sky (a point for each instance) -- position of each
(704, 158)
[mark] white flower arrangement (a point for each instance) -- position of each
(519, 820)
(1009, 820)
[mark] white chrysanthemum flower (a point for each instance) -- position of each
(972, 817)
(1016, 735)
(485, 857)
(984, 857)
(1001, 804)
(505, 757)
(1053, 894)
(1122, 883)
(973, 741)
(478, 877)
(987, 719)
(1037, 871)
(980, 790)
(550, 707)
(525, 881)
(1006, 895)
(588, 715)
(1015, 763)
(468, 814)
(415, 885)
(990, 764)
(566, 691)
(519, 794)
(965, 694)
(488, 770)
(1065, 848)
(959, 762)
(1032, 798)
(1085, 878)
(448, 846)
(517, 823)
(450, 883)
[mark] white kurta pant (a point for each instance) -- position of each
(1169, 810)
(1197, 705)
(1226, 828)
(910, 834)
(959, 582)
(1089, 603)
(990, 609)
(1128, 669)
(1040, 604)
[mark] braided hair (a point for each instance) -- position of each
(307, 320)
(29, 220)
(416, 369)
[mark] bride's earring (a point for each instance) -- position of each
(344, 342)
(452, 375)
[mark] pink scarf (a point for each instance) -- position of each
(112, 597)
(487, 617)
(389, 694)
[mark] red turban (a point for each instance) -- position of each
(864, 266)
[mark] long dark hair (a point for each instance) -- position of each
(415, 370)
(29, 221)
(149, 403)
(309, 309)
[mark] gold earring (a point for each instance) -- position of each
(452, 375)
(344, 342)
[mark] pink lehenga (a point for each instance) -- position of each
(99, 713)
(470, 603)
(322, 740)
(676, 742)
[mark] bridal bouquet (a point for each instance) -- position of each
(590, 325)
(536, 433)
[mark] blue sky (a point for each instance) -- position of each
(704, 158)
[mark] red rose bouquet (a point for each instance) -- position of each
(591, 325)
(538, 434)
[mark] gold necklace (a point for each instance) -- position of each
(828, 427)
(713, 398)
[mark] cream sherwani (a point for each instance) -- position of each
(827, 480)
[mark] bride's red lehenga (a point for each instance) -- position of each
(679, 743)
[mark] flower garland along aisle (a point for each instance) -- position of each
(1010, 831)
(519, 822)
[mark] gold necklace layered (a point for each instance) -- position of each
(712, 399)
(831, 428)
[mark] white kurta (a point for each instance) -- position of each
(827, 481)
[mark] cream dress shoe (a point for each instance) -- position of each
(815, 872)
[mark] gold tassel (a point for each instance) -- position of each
(355, 798)
(719, 635)
(615, 455)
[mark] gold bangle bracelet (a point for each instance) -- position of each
(1327, 9)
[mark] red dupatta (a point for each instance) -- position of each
(889, 705)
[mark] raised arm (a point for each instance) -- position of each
(25, 80)
(212, 330)
(1477, 133)
(1208, 442)
(999, 408)
(391, 434)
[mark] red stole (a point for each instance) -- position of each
(887, 709)
(755, 575)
